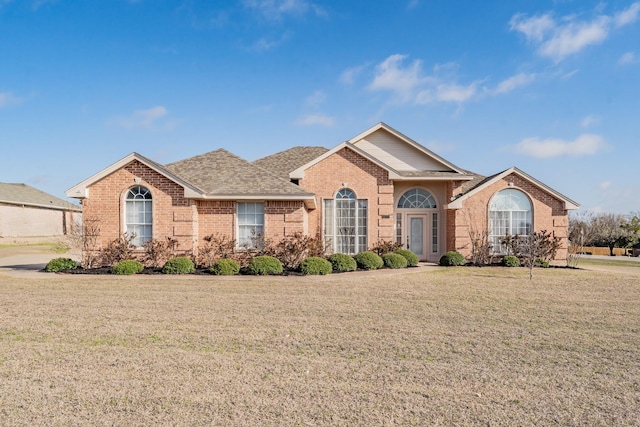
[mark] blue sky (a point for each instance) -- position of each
(552, 87)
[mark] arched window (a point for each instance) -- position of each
(510, 214)
(139, 215)
(345, 222)
(417, 199)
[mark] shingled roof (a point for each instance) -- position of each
(285, 162)
(25, 195)
(220, 172)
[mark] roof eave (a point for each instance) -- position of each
(431, 178)
(38, 205)
(81, 190)
(309, 200)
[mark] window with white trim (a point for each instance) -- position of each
(139, 215)
(250, 224)
(510, 214)
(345, 222)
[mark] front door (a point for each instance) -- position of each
(417, 235)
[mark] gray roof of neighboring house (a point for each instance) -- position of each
(23, 194)
(220, 172)
(285, 162)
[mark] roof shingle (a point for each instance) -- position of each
(220, 172)
(23, 194)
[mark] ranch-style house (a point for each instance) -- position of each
(378, 185)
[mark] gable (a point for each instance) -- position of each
(567, 203)
(396, 153)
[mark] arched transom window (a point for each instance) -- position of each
(345, 222)
(510, 214)
(417, 199)
(139, 215)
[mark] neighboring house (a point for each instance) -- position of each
(379, 185)
(29, 212)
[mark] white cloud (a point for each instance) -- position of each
(627, 16)
(604, 185)
(410, 85)
(403, 81)
(514, 82)
(589, 121)
(8, 98)
(534, 28)
(456, 93)
(317, 120)
(557, 39)
(154, 118)
(628, 58)
(584, 145)
(275, 10)
(316, 99)
(349, 75)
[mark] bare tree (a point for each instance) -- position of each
(85, 236)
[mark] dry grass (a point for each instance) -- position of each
(461, 346)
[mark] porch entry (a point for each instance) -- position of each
(417, 224)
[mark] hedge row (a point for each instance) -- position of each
(263, 264)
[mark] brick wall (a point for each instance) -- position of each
(548, 214)
(346, 168)
(281, 218)
(173, 215)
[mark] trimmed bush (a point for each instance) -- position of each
(179, 265)
(541, 262)
(225, 267)
(342, 263)
(511, 261)
(394, 261)
(412, 259)
(127, 267)
(452, 258)
(263, 265)
(368, 260)
(316, 265)
(60, 264)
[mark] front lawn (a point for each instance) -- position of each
(455, 346)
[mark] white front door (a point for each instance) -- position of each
(417, 235)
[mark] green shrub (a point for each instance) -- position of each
(412, 259)
(127, 267)
(263, 265)
(342, 263)
(179, 265)
(452, 258)
(368, 260)
(511, 261)
(316, 265)
(225, 267)
(394, 261)
(541, 262)
(60, 264)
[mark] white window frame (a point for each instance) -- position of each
(249, 224)
(514, 216)
(138, 214)
(346, 222)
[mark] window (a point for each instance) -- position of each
(417, 199)
(250, 224)
(345, 222)
(139, 215)
(509, 215)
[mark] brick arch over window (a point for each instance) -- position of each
(510, 214)
(138, 214)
